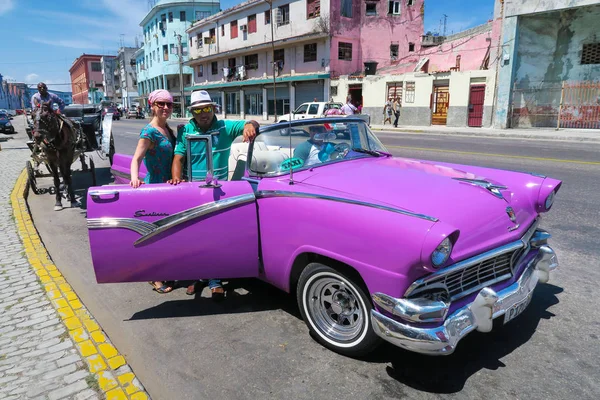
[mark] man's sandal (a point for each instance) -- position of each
(162, 289)
(218, 293)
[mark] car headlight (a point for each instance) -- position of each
(549, 200)
(8, 124)
(441, 253)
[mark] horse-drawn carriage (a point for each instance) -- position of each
(57, 141)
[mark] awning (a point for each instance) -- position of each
(250, 82)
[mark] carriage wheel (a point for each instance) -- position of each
(93, 171)
(31, 177)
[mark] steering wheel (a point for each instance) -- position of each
(339, 151)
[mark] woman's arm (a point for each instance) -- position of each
(140, 151)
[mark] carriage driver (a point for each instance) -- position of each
(43, 96)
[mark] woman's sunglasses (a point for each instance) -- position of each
(206, 109)
(162, 104)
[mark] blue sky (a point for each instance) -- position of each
(41, 39)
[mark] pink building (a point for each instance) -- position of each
(313, 40)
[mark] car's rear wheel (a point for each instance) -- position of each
(336, 310)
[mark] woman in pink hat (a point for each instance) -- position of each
(155, 147)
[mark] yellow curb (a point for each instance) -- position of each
(116, 362)
(116, 394)
(82, 328)
(79, 335)
(96, 363)
(107, 350)
(99, 337)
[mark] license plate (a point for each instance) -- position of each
(517, 309)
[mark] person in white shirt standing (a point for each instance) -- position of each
(349, 108)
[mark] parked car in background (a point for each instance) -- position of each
(114, 110)
(134, 113)
(374, 247)
(309, 110)
(5, 125)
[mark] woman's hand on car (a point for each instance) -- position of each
(135, 183)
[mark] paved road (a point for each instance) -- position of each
(254, 345)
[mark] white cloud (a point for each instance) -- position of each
(72, 44)
(6, 6)
(32, 78)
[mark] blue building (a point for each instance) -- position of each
(157, 60)
(67, 97)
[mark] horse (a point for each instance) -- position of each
(59, 139)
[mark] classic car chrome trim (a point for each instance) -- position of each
(136, 225)
(263, 194)
(413, 310)
(478, 315)
(493, 189)
(97, 193)
(151, 229)
(465, 264)
(120, 174)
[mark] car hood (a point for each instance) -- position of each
(434, 190)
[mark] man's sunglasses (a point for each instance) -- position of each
(162, 104)
(206, 109)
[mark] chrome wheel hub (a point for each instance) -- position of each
(335, 309)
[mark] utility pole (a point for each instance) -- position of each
(180, 52)
(270, 2)
(445, 21)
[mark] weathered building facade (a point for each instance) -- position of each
(86, 79)
(298, 46)
(550, 64)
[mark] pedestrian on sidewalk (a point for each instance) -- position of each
(155, 146)
(387, 111)
(224, 132)
(396, 106)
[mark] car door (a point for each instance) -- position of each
(313, 110)
(300, 112)
(193, 230)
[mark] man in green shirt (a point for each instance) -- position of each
(223, 133)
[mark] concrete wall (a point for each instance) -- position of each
(522, 7)
(418, 111)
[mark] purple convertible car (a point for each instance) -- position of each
(417, 253)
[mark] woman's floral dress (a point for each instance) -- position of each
(157, 160)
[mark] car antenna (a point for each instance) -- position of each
(290, 135)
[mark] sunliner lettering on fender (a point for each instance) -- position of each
(143, 213)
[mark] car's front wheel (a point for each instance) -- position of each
(336, 310)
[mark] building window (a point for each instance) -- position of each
(170, 17)
(313, 8)
(267, 17)
(409, 93)
(254, 104)
(411, 47)
(283, 15)
(165, 52)
(173, 50)
(346, 10)
(202, 14)
(310, 52)
(211, 35)
(198, 40)
(182, 16)
(233, 31)
(333, 90)
(251, 61)
(96, 66)
(200, 70)
(394, 51)
(280, 55)
(222, 30)
(214, 68)
(395, 91)
(394, 7)
(345, 51)
(252, 23)
(590, 53)
(409, 2)
(371, 9)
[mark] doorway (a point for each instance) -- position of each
(439, 106)
(476, 99)
(355, 94)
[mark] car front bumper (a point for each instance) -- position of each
(478, 315)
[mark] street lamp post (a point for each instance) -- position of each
(180, 53)
(270, 2)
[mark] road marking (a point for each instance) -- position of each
(133, 133)
(494, 155)
(108, 368)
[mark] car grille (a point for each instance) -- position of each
(464, 281)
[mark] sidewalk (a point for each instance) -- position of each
(51, 348)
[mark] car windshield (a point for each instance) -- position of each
(299, 145)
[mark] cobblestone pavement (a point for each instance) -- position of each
(50, 346)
